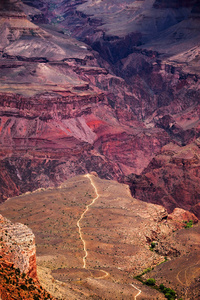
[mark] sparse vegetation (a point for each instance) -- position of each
(150, 281)
(20, 286)
(188, 224)
(152, 246)
(138, 277)
(169, 293)
(60, 235)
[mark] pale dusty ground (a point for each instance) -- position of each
(113, 226)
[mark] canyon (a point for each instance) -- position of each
(80, 94)
(113, 88)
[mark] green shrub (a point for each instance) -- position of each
(169, 293)
(169, 296)
(162, 287)
(145, 271)
(189, 224)
(150, 281)
(152, 246)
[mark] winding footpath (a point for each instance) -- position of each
(82, 216)
(187, 277)
(79, 228)
(139, 291)
(83, 241)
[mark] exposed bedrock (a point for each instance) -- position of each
(40, 153)
(66, 109)
(18, 246)
(171, 179)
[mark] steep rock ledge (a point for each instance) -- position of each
(171, 179)
(18, 246)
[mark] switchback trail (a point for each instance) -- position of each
(139, 291)
(187, 277)
(83, 241)
(79, 227)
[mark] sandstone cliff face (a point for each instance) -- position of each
(64, 112)
(18, 246)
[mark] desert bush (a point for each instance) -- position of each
(162, 287)
(146, 271)
(189, 224)
(169, 293)
(150, 281)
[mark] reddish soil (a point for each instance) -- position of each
(15, 285)
(117, 229)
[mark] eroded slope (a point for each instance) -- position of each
(117, 230)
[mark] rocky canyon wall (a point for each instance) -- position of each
(79, 93)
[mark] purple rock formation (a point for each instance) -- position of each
(82, 90)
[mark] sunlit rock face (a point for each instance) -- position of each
(18, 246)
(67, 109)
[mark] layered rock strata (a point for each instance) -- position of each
(18, 247)
(68, 110)
(172, 178)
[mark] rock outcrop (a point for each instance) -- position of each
(171, 179)
(180, 215)
(18, 270)
(18, 246)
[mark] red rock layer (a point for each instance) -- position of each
(15, 285)
(65, 110)
(171, 179)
